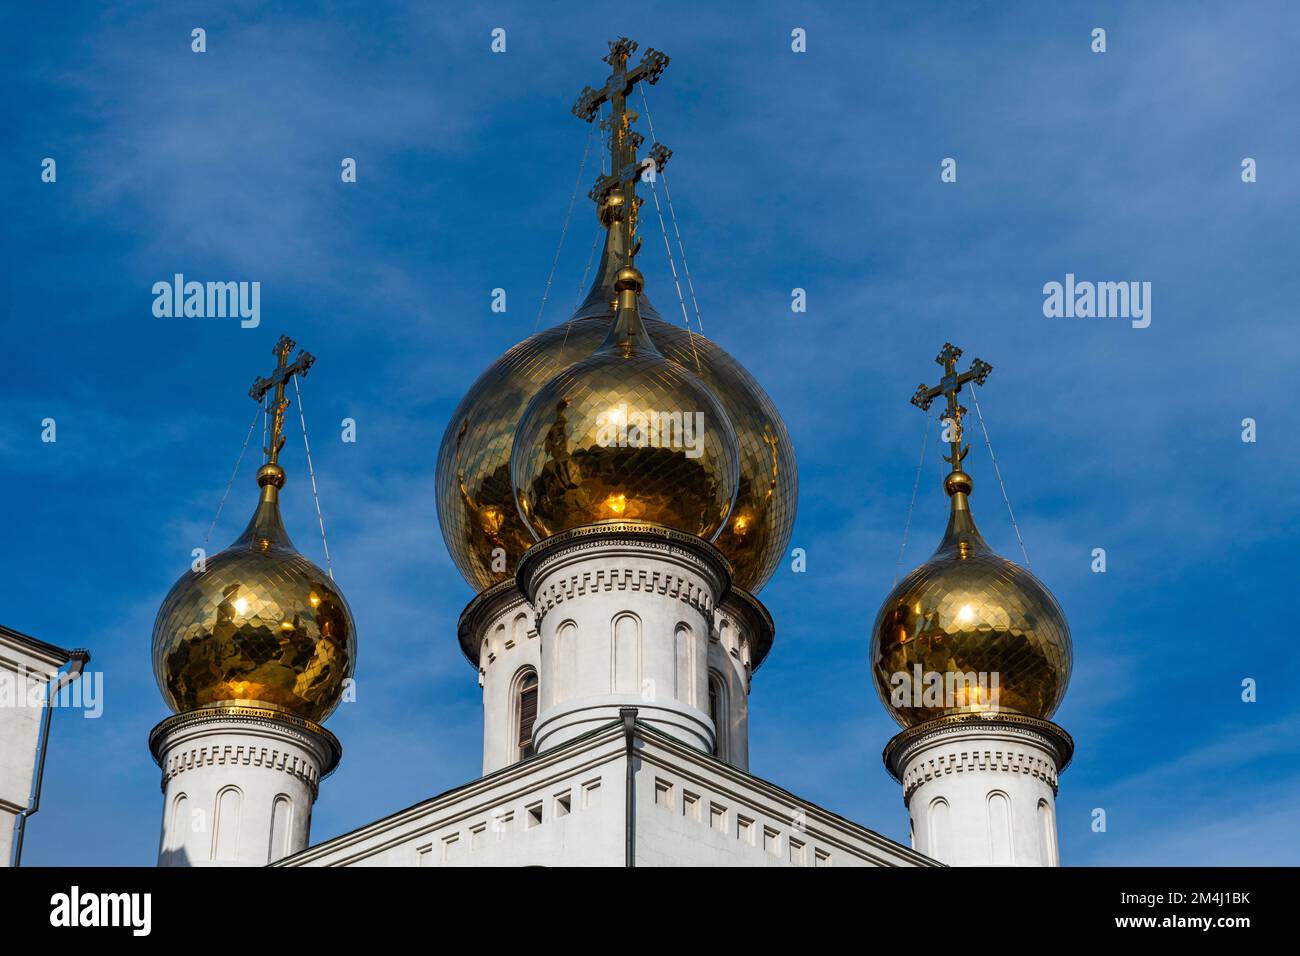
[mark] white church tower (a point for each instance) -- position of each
(617, 488)
(971, 655)
(251, 649)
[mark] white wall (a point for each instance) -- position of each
(983, 797)
(25, 670)
(508, 647)
(488, 822)
(237, 791)
(624, 622)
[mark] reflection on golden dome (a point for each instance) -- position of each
(968, 611)
(475, 500)
(625, 434)
(260, 625)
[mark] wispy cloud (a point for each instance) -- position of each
(817, 171)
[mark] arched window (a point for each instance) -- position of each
(718, 714)
(684, 652)
(526, 711)
(999, 816)
(627, 654)
(281, 822)
(940, 830)
(175, 840)
(1047, 834)
(225, 835)
(565, 680)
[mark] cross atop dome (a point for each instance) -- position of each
(950, 385)
(616, 191)
(278, 379)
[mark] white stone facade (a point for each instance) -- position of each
(498, 633)
(567, 807)
(26, 666)
(694, 657)
(238, 785)
(982, 792)
(624, 618)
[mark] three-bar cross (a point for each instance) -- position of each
(277, 380)
(950, 385)
(615, 193)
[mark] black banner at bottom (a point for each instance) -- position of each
(335, 906)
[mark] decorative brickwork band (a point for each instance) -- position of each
(1008, 747)
(209, 755)
(197, 753)
(621, 579)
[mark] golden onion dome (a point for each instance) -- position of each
(969, 632)
(480, 523)
(259, 625)
(625, 434)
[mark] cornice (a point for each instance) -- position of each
(984, 731)
(755, 618)
(34, 647)
(570, 586)
(633, 535)
(486, 606)
(276, 723)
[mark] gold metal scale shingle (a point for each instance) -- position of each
(475, 501)
(260, 624)
(967, 610)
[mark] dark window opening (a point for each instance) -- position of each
(527, 714)
(714, 715)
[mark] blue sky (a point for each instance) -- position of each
(818, 171)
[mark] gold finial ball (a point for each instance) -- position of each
(480, 522)
(629, 277)
(970, 632)
(616, 438)
(260, 626)
(957, 482)
(270, 474)
(610, 208)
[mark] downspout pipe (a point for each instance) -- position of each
(77, 661)
(629, 726)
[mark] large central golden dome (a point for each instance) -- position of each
(260, 624)
(980, 632)
(482, 527)
(625, 434)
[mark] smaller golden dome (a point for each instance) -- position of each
(625, 434)
(259, 625)
(969, 632)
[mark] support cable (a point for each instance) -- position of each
(297, 393)
(564, 229)
(925, 440)
(231, 483)
(997, 471)
(673, 266)
(591, 256)
(668, 195)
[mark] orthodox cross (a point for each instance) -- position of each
(615, 193)
(950, 385)
(278, 380)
